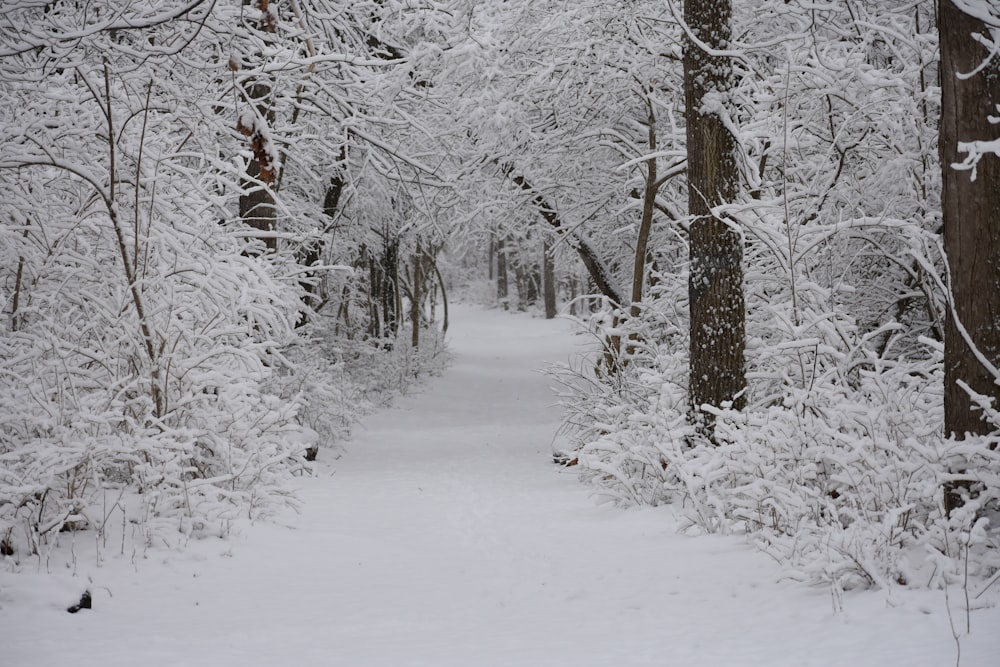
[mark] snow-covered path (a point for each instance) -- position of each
(445, 537)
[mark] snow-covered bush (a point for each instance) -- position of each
(171, 399)
(842, 480)
(612, 414)
(149, 347)
(846, 485)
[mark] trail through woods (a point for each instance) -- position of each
(444, 536)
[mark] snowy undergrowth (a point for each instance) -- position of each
(837, 468)
(207, 427)
(86, 470)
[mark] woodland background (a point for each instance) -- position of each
(228, 229)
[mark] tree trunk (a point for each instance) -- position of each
(257, 205)
(491, 254)
(715, 286)
(502, 290)
(971, 212)
(376, 288)
(388, 294)
(415, 297)
(311, 253)
(444, 295)
(574, 308)
(646, 222)
(548, 278)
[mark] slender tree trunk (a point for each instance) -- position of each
(390, 287)
(444, 295)
(491, 254)
(376, 291)
(532, 284)
(574, 309)
(715, 286)
(548, 278)
(312, 253)
(502, 290)
(415, 297)
(646, 222)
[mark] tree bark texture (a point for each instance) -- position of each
(257, 205)
(715, 286)
(490, 254)
(388, 292)
(646, 222)
(502, 290)
(971, 211)
(548, 278)
(416, 295)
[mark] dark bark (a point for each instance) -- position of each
(375, 277)
(715, 285)
(646, 221)
(491, 253)
(444, 295)
(971, 210)
(312, 252)
(548, 278)
(416, 294)
(383, 276)
(502, 290)
(388, 294)
(574, 308)
(257, 206)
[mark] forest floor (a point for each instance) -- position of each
(444, 536)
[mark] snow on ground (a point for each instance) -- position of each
(445, 537)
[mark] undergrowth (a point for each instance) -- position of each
(840, 476)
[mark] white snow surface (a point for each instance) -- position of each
(444, 536)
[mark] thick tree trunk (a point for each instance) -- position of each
(715, 285)
(257, 208)
(257, 205)
(971, 210)
(548, 278)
